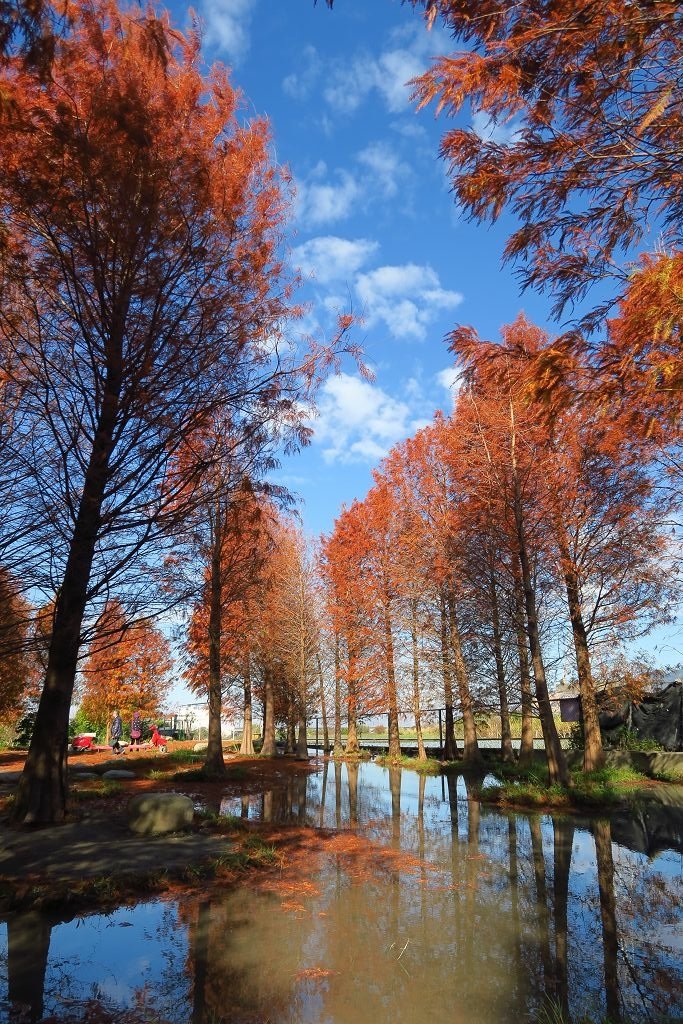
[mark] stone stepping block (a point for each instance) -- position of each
(118, 773)
(155, 813)
(9, 778)
(82, 776)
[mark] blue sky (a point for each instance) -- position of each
(374, 228)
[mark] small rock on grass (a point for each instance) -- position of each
(116, 773)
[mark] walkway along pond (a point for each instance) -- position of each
(455, 912)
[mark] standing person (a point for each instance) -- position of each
(135, 730)
(116, 732)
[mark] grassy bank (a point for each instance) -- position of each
(529, 787)
(428, 766)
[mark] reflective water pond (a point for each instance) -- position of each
(456, 913)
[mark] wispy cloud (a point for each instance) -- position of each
(330, 195)
(300, 83)
(348, 83)
(329, 258)
(227, 26)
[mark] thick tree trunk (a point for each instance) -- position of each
(269, 748)
(323, 708)
(213, 762)
(352, 744)
(338, 745)
(471, 752)
(557, 763)
(450, 751)
(302, 738)
(42, 792)
(505, 731)
(526, 750)
(247, 744)
(593, 753)
(392, 695)
(421, 752)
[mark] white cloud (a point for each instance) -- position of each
(358, 421)
(320, 201)
(451, 380)
(330, 258)
(405, 298)
(227, 26)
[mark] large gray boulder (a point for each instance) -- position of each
(154, 813)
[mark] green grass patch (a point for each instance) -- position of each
(185, 757)
(428, 766)
(529, 787)
(102, 790)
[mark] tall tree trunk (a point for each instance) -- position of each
(338, 746)
(247, 744)
(593, 753)
(41, 796)
(213, 762)
(505, 731)
(526, 750)
(269, 748)
(421, 752)
(392, 695)
(471, 752)
(323, 709)
(302, 739)
(352, 744)
(557, 763)
(291, 726)
(449, 749)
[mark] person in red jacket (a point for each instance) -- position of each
(158, 740)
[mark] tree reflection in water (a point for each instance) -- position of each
(468, 915)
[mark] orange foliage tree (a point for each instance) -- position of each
(127, 669)
(142, 289)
